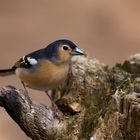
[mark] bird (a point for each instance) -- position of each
(46, 68)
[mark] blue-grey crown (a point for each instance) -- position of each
(51, 50)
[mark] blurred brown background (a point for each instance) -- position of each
(109, 30)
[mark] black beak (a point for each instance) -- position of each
(77, 51)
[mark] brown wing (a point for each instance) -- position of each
(22, 63)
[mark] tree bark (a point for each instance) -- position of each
(97, 103)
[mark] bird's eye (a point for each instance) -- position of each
(65, 48)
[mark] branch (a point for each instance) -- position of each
(121, 121)
(36, 120)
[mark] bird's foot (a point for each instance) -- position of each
(57, 111)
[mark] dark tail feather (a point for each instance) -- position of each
(6, 72)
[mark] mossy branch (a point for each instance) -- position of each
(98, 103)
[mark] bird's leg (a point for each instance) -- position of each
(52, 102)
(56, 109)
(24, 86)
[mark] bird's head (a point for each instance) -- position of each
(63, 50)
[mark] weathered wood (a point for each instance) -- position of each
(98, 104)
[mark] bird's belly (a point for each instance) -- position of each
(42, 80)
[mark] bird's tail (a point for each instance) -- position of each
(6, 72)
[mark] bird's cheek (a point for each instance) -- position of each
(64, 56)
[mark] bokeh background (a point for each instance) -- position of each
(107, 29)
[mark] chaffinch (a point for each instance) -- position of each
(46, 68)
